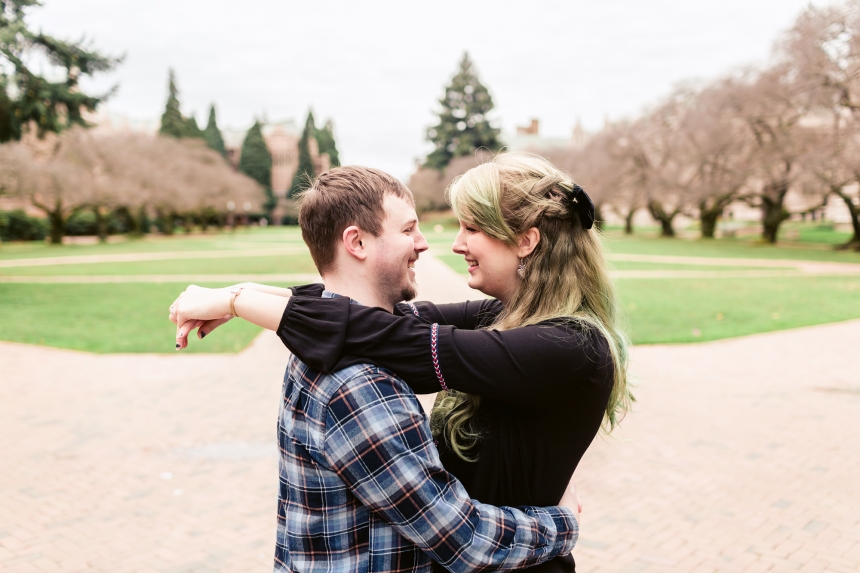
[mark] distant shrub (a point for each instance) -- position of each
(83, 223)
(18, 226)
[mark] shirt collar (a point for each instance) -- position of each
(329, 294)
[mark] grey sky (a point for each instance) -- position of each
(377, 68)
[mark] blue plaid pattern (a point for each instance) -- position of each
(362, 488)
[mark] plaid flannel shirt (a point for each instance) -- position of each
(362, 488)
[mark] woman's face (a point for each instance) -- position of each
(492, 263)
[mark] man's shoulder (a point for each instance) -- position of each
(357, 377)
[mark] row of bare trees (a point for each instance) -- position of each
(754, 136)
(130, 173)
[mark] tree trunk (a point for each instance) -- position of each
(854, 210)
(57, 222)
(58, 226)
(773, 210)
(665, 219)
(628, 222)
(709, 216)
(101, 224)
(708, 220)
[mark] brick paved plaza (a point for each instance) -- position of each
(741, 455)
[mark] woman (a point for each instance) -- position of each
(526, 377)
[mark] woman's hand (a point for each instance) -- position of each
(208, 308)
(201, 308)
(571, 500)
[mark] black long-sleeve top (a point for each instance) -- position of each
(544, 388)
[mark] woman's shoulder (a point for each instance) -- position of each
(576, 343)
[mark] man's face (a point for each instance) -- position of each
(396, 250)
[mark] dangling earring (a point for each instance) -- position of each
(521, 269)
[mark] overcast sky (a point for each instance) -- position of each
(377, 68)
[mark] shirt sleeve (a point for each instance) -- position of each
(467, 315)
(331, 334)
(378, 442)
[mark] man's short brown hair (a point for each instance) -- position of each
(340, 198)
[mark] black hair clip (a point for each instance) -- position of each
(584, 206)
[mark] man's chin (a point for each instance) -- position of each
(409, 292)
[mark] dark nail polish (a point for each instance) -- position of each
(202, 334)
(177, 346)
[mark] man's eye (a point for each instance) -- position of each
(409, 230)
(472, 229)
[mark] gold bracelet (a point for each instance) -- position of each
(234, 292)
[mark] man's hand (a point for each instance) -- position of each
(201, 308)
(571, 500)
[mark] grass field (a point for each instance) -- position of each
(130, 317)
(106, 318)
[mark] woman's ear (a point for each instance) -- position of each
(528, 242)
(352, 241)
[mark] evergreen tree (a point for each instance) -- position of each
(305, 171)
(325, 140)
(255, 161)
(463, 124)
(26, 96)
(172, 122)
(191, 127)
(212, 134)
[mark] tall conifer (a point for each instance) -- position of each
(27, 96)
(212, 134)
(463, 123)
(305, 172)
(255, 161)
(172, 122)
(325, 140)
(191, 127)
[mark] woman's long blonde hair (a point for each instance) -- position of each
(565, 277)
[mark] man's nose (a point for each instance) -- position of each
(421, 243)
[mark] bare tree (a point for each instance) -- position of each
(716, 145)
(79, 170)
(429, 184)
(824, 48)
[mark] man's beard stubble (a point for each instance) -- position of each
(390, 282)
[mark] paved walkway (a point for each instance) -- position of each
(742, 455)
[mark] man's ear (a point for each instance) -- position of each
(353, 242)
(528, 242)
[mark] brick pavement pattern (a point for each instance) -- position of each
(741, 455)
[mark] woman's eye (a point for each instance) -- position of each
(471, 229)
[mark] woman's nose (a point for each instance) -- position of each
(459, 246)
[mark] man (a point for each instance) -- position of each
(361, 484)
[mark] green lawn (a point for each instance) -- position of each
(106, 318)
(725, 248)
(241, 239)
(130, 317)
(693, 310)
(457, 263)
(299, 263)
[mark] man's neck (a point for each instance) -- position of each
(356, 289)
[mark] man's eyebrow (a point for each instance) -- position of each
(412, 221)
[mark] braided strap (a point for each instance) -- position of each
(434, 353)
(414, 309)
